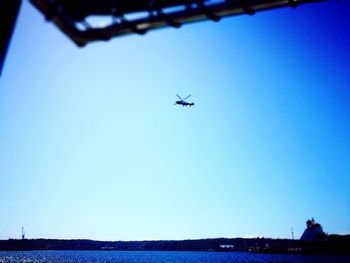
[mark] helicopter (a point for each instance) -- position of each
(183, 102)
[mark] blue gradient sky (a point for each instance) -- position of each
(91, 145)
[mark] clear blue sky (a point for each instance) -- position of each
(91, 145)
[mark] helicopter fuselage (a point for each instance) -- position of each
(184, 103)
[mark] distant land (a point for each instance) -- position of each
(333, 245)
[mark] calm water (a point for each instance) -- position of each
(124, 256)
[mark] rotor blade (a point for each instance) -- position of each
(178, 96)
(187, 97)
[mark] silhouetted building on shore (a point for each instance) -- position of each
(313, 232)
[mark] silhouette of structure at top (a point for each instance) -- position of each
(8, 14)
(123, 17)
(140, 16)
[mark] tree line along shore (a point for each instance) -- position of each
(334, 244)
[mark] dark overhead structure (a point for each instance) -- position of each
(85, 21)
(122, 17)
(8, 15)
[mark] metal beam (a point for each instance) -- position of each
(197, 10)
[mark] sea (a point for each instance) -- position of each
(158, 256)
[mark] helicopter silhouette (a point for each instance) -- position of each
(183, 102)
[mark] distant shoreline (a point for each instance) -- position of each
(334, 245)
